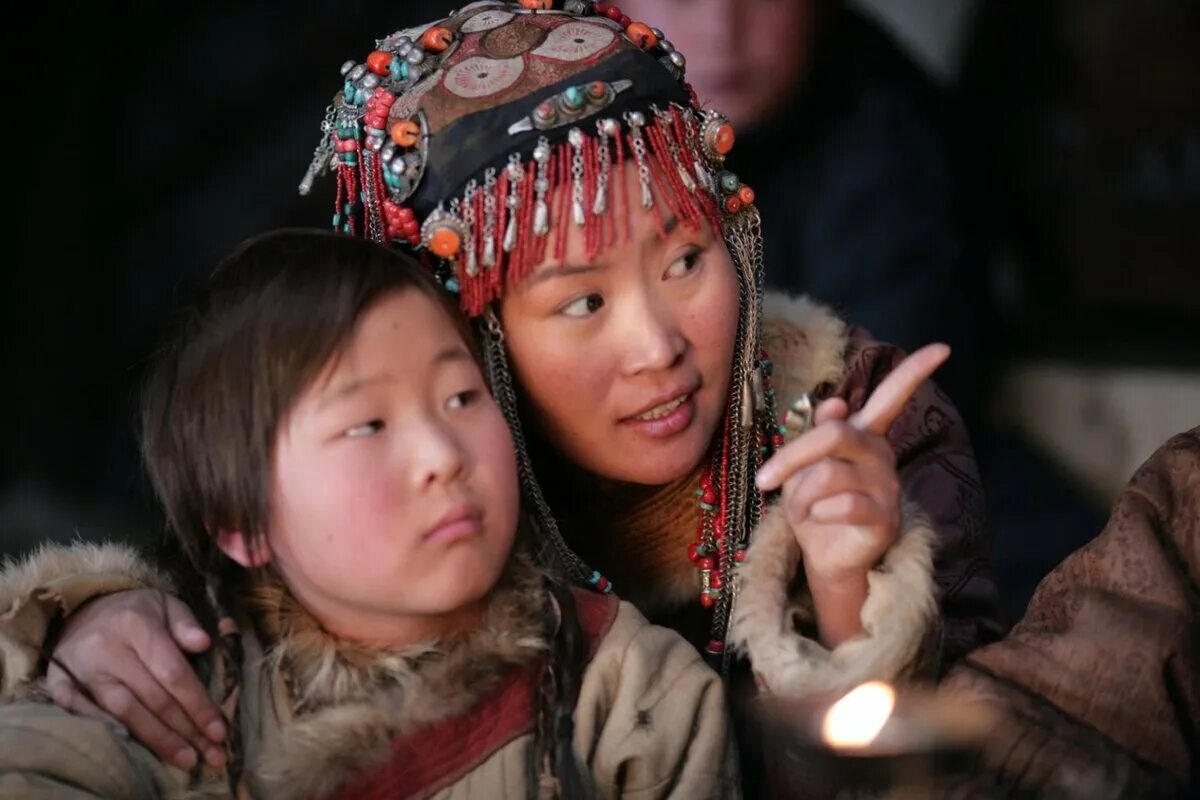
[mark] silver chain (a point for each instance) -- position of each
(500, 378)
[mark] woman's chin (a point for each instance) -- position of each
(662, 462)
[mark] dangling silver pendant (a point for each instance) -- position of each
(541, 185)
(515, 176)
(575, 137)
(488, 259)
(635, 120)
(605, 129)
(468, 215)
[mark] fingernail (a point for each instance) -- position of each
(185, 758)
(216, 731)
(215, 757)
(762, 480)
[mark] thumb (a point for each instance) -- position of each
(184, 629)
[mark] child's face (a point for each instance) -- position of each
(394, 495)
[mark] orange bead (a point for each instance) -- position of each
(379, 61)
(435, 40)
(640, 34)
(536, 5)
(723, 141)
(445, 242)
(746, 195)
(405, 132)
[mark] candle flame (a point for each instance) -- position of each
(857, 718)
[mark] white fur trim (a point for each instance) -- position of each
(806, 342)
(57, 579)
(899, 608)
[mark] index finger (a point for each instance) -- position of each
(894, 391)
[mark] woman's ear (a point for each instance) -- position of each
(246, 550)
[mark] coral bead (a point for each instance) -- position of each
(379, 62)
(746, 195)
(732, 204)
(445, 242)
(405, 132)
(724, 139)
(536, 5)
(641, 35)
(435, 40)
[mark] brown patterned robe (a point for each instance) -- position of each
(1101, 678)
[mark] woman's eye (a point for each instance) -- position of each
(366, 429)
(685, 264)
(462, 400)
(584, 306)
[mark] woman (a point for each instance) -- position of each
(556, 171)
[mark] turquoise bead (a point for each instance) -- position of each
(573, 98)
(729, 182)
(452, 286)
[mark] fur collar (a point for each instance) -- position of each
(345, 702)
(806, 342)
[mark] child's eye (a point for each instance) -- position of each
(462, 400)
(366, 429)
(685, 264)
(583, 307)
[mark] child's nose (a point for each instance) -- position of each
(437, 455)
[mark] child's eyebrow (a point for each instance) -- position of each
(455, 352)
(344, 390)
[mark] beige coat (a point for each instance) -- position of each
(651, 720)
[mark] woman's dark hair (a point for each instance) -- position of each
(268, 321)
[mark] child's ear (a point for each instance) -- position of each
(249, 551)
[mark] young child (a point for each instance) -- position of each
(326, 450)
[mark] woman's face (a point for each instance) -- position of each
(626, 358)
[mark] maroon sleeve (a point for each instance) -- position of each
(937, 470)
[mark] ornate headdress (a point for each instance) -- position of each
(483, 137)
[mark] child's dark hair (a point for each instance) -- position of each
(269, 319)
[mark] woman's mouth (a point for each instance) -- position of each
(660, 411)
(665, 419)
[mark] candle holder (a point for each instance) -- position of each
(873, 741)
